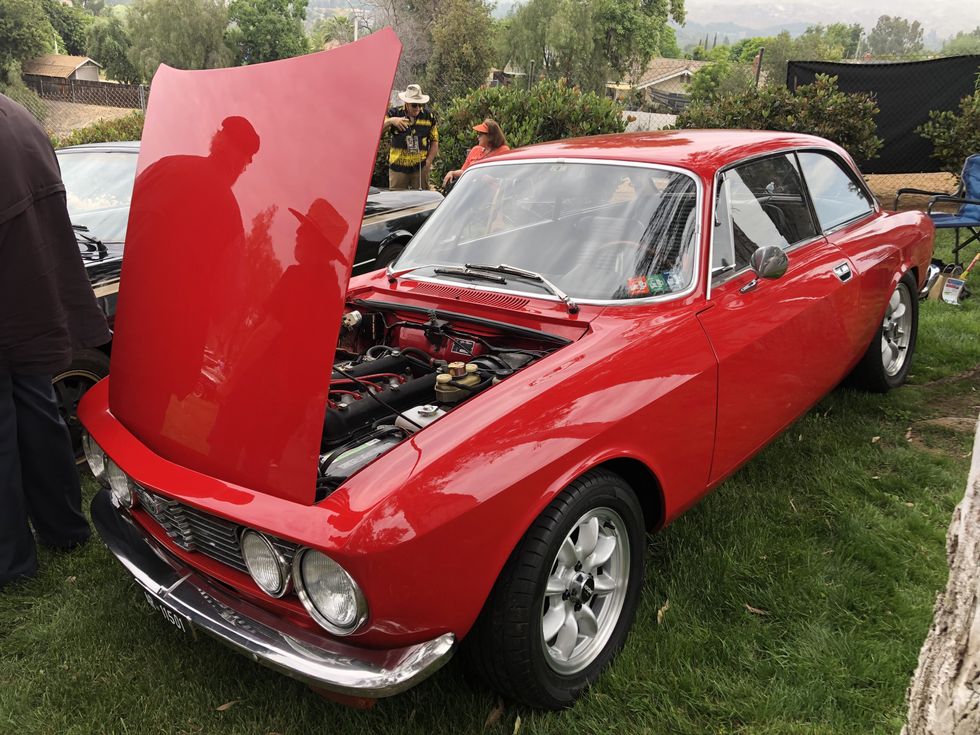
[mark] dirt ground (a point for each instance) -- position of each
(63, 117)
(884, 187)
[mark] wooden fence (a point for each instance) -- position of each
(108, 94)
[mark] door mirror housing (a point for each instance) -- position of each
(769, 262)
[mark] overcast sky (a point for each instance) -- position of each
(944, 17)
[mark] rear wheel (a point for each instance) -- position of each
(87, 368)
(887, 362)
(388, 254)
(565, 601)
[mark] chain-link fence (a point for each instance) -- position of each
(70, 104)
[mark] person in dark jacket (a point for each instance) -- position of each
(47, 308)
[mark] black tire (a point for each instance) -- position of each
(87, 368)
(388, 254)
(874, 372)
(507, 649)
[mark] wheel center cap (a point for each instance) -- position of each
(581, 588)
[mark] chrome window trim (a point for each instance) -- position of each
(699, 209)
(821, 233)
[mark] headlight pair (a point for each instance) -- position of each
(108, 472)
(329, 594)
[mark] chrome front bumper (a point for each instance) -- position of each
(257, 633)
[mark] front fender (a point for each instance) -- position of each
(440, 514)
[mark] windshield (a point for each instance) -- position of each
(99, 185)
(597, 231)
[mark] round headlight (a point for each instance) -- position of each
(328, 592)
(120, 486)
(265, 564)
(93, 455)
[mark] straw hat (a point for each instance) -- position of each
(413, 94)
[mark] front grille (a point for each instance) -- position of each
(195, 530)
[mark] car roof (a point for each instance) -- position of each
(703, 151)
(132, 146)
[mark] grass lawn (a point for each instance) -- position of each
(794, 599)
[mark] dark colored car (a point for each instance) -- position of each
(99, 182)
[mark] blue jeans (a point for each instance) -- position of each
(38, 477)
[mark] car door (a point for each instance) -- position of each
(779, 343)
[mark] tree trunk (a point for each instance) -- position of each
(944, 697)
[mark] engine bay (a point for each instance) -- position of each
(399, 368)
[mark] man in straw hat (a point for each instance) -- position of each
(414, 141)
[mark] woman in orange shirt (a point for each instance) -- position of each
(490, 141)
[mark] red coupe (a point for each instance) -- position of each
(347, 481)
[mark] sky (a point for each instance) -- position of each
(944, 17)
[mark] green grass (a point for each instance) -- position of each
(838, 536)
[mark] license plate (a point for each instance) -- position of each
(178, 621)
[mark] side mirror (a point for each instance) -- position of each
(769, 262)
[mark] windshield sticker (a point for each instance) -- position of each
(675, 281)
(657, 284)
(637, 286)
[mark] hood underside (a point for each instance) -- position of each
(255, 178)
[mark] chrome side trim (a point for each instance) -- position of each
(253, 631)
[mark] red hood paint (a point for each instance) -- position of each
(250, 188)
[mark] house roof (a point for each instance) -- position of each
(661, 69)
(56, 65)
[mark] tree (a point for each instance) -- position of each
(25, 32)
(963, 43)
(589, 42)
(266, 30)
(462, 49)
(108, 43)
(819, 109)
(185, 34)
(721, 78)
(895, 37)
(954, 136)
(847, 37)
(69, 23)
(336, 28)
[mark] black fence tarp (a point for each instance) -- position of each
(905, 92)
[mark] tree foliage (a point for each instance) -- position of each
(720, 79)
(819, 109)
(266, 30)
(462, 49)
(69, 23)
(551, 110)
(335, 28)
(108, 43)
(25, 32)
(587, 42)
(954, 135)
(895, 37)
(185, 34)
(963, 43)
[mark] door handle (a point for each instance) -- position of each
(843, 272)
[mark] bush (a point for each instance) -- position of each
(549, 111)
(954, 136)
(13, 86)
(129, 127)
(819, 109)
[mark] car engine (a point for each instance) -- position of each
(401, 368)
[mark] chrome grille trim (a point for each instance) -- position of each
(194, 530)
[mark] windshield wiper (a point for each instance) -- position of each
(531, 276)
(467, 273)
(92, 244)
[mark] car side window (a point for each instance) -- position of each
(836, 194)
(766, 206)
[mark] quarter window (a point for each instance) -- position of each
(837, 196)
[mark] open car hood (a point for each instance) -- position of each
(248, 199)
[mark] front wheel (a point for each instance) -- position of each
(565, 601)
(887, 362)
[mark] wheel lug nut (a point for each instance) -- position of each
(578, 606)
(578, 566)
(564, 595)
